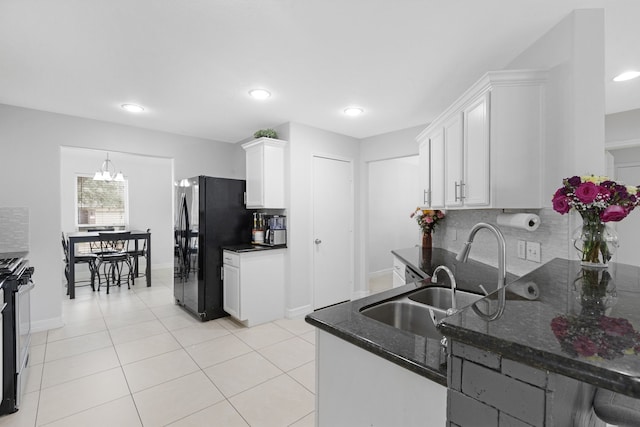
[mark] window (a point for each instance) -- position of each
(101, 203)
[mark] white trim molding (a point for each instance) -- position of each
(620, 145)
(294, 313)
(46, 324)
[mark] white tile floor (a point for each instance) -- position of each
(381, 282)
(133, 358)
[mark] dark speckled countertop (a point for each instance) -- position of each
(603, 319)
(586, 319)
(248, 247)
(419, 354)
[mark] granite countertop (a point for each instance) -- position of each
(592, 311)
(419, 354)
(248, 247)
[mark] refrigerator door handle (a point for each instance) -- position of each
(186, 236)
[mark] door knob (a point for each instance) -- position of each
(318, 241)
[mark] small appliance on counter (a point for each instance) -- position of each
(257, 231)
(276, 231)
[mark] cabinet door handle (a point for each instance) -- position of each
(426, 197)
(317, 241)
(458, 185)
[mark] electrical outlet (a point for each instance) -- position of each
(533, 251)
(522, 249)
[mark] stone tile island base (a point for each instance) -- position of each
(486, 389)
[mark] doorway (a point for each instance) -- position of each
(393, 193)
(628, 229)
(333, 210)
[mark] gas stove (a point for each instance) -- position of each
(9, 265)
(15, 286)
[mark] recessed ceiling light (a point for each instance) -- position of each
(627, 75)
(259, 93)
(132, 108)
(353, 111)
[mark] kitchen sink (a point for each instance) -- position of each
(441, 297)
(407, 315)
(419, 312)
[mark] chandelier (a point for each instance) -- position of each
(105, 172)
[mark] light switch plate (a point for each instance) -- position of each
(533, 251)
(522, 249)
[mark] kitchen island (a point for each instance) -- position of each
(421, 356)
(529, 366)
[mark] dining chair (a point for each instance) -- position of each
(113, 256)
(95, 246)
(82, 258)
(135, 254)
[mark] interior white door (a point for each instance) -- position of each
(629, 228)
(332, 231)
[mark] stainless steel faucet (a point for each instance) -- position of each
(502, 265)
(452, 281)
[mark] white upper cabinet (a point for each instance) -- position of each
(431, 173)
(453, 161)
(475, 188)
(265, 173)
(492, 138)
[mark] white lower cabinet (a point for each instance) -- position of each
(253, 285)
(398, 272)
(357, 388)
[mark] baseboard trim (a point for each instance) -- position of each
(380, 273)
(293, 313)
(46, 324)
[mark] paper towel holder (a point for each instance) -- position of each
(528, 221)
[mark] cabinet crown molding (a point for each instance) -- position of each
(489, 80)
(266, 141)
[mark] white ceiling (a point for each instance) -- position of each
(192, 62)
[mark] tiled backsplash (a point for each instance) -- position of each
(14, 229)
(552, 234)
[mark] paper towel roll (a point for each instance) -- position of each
(527, 290)
(524, 221)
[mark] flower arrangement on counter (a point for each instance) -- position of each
(598, 200)
(591, 333)
(596, 196)
(427, 219)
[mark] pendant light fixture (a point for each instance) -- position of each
(105, 174)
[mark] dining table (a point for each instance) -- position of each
(76, 237)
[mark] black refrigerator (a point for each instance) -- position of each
(210, 214)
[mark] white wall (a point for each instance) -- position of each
(573, 52)
(623, 127)
(393, 194)
(150, 194)
(304, 143)
(32, 141)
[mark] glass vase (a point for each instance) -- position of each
(595, 241)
